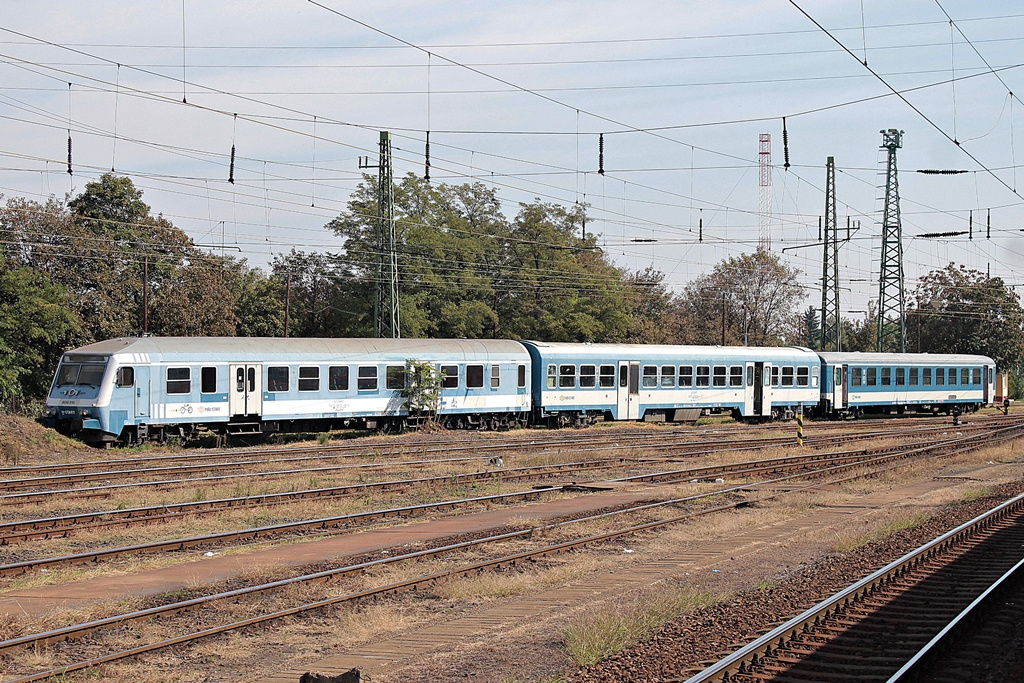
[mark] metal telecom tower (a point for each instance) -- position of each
(892, 322)
(385, 307)
(764, 157)
(831, 328)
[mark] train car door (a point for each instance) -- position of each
(142, 398)
(841, 388)
(753, 399)
(766, 389)
(246, 398)
(629, 390)
(987, 386)
(845, 379)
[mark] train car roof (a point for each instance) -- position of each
(625, 351)
(280, 347)
(858, 357)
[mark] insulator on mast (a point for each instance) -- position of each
(426, 165)
(231, 169)
(600, 154)
(785, 144)
(69, 154)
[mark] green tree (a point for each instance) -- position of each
(959, 310)
(756, 295)
(35, 324)
(811, 328)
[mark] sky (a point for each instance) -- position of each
(516, 94)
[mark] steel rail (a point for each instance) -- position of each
(333, 452)
(737, 661)
(104, 491)
(82, 629)
(63, 526)
(59, 526)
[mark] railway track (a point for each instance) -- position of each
(904, 622)
(61, 527)
(74, 632)
(34, 476)
(15, 494)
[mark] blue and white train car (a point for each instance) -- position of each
(133, 389)
(856, 383)
(575, 384)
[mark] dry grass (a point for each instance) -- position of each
(600, 632)
(881, 529)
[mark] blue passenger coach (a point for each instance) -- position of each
(132, 389)
(576, 384)
(856, 383)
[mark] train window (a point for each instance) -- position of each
(775, 375)
(277, 379)
(607, 376)
(337, 378)
(566, 376)
(449, 376)
(624, 376)
(91, 375)
(179, 380)
(208, 380)
(522, 376)
(803, 375)
(650, 376)
(735, 375)
(553, 376)
(367, 379)
(965, 376)
(588, 376)
(474, 376)
(837, 376)
(125, 376)
(309, 378)
(886, 377)
(718, 376)
(856, 377)
(787, 376)
(815, 374)
(686, 375)
(394, 377)
(901, 377)
(940, 376)
(668, 375)
(872, 378)
(975, 375)
(750, 375)
(926, 376)
(703, 375)
(951, 378)
(495, 376)
(240, 380)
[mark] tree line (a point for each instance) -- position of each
(102, 265)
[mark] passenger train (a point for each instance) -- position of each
(130, 390)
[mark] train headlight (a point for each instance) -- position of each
(83, 412)
(50, 411)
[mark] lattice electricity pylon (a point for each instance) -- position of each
(385, 307)
(892, 323)
(831, 328)
(764, 181)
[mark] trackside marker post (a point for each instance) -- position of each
(800, 426)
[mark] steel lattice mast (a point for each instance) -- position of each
(385, 306)
(764, 157)
(831, 328)
(892, 335)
